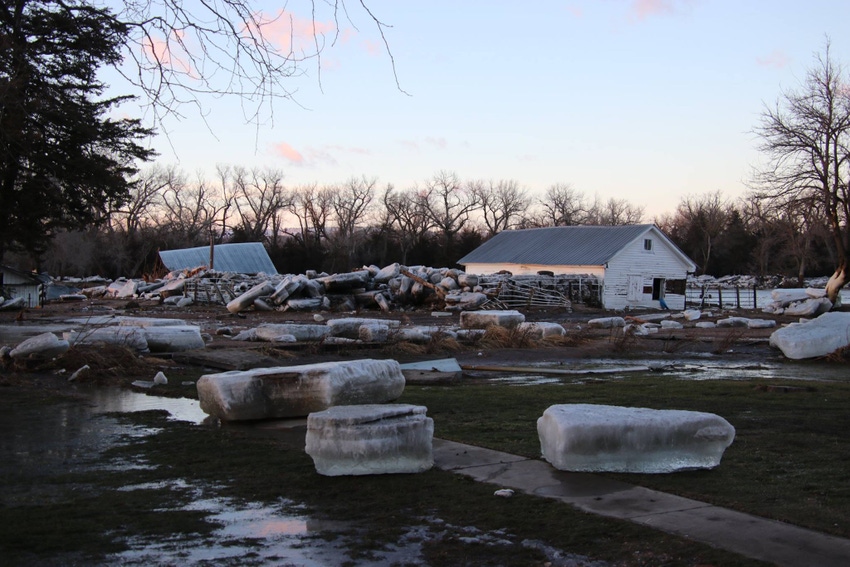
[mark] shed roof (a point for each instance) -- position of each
(559, 245)
(243, 258)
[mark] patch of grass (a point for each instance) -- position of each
(500, 337)
(790, 459)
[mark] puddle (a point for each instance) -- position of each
(696, 368)
(120, 400)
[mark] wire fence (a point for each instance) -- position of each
(727, 297)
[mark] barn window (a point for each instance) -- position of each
(647, 244)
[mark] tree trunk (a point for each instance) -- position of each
(836, 282)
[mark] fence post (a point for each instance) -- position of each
(738, 296)
(720, 297)
(755, 298)
(702, 298)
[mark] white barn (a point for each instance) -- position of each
(637, 265)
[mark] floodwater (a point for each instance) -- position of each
(697, 367)
(72, 437)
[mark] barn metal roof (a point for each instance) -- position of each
(559, 245)
(243, 258)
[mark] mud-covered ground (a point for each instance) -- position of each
(580, 341)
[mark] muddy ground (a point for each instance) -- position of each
(580, 342)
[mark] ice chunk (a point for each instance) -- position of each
(809, 307)
(692, 314)
(607, 322)
(587, 437)
(818, 337)
(542, 330)
(173, 339)
(296, 391)
(45, 345)
(761, 323)
(370, 439)
(132, 338)
(350, 326)
(484, 319)
(304, 333)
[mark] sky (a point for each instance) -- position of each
(651, 101)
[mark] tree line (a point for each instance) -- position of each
(342, 226)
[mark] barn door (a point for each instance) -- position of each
(635, 288)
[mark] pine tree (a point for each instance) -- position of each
(63, 159)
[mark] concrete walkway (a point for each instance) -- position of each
(750, 536)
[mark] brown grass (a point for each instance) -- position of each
(500, 337)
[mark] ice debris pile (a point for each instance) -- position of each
(370, 439)
(809, 302)
(596, 438)
(392, 287)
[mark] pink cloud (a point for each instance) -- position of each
(409, 144)
(285, 150)
(777, 59)
(642, 9)
(291, 33)
(437, 142)
(373, 47)
(162, 52)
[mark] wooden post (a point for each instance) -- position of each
(755, 297)
(212, 250)
(702, 298)
(738, 296)
(719, 298)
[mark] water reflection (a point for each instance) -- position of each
(119, 400)
(697, 368)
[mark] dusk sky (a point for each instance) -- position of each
(647, 100)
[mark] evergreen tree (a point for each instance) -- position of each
(63, 160)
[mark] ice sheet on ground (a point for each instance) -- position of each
(591, 438)
(370, 439)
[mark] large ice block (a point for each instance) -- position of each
(370, 439)
(818, 337)
(592, 438)
(296, 391)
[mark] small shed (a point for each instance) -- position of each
(16, 283)
(637, 265)
(242, 258)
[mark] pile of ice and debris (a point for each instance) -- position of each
(809, 302)
(394, 287)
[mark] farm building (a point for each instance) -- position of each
(637, 265)
(16, 283)
(243, 258)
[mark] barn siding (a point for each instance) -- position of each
(661, 262)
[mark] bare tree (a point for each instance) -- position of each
(190, 210)
(563, 205)
(407, 216)
(698, 222)
(805, 138)
(145, 195)
(449, 205)
(179, 52)
(311, 207)
(613, 212)
(260, 196)
(350, 203)
(502, 203)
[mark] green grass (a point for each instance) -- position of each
(790, 460)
